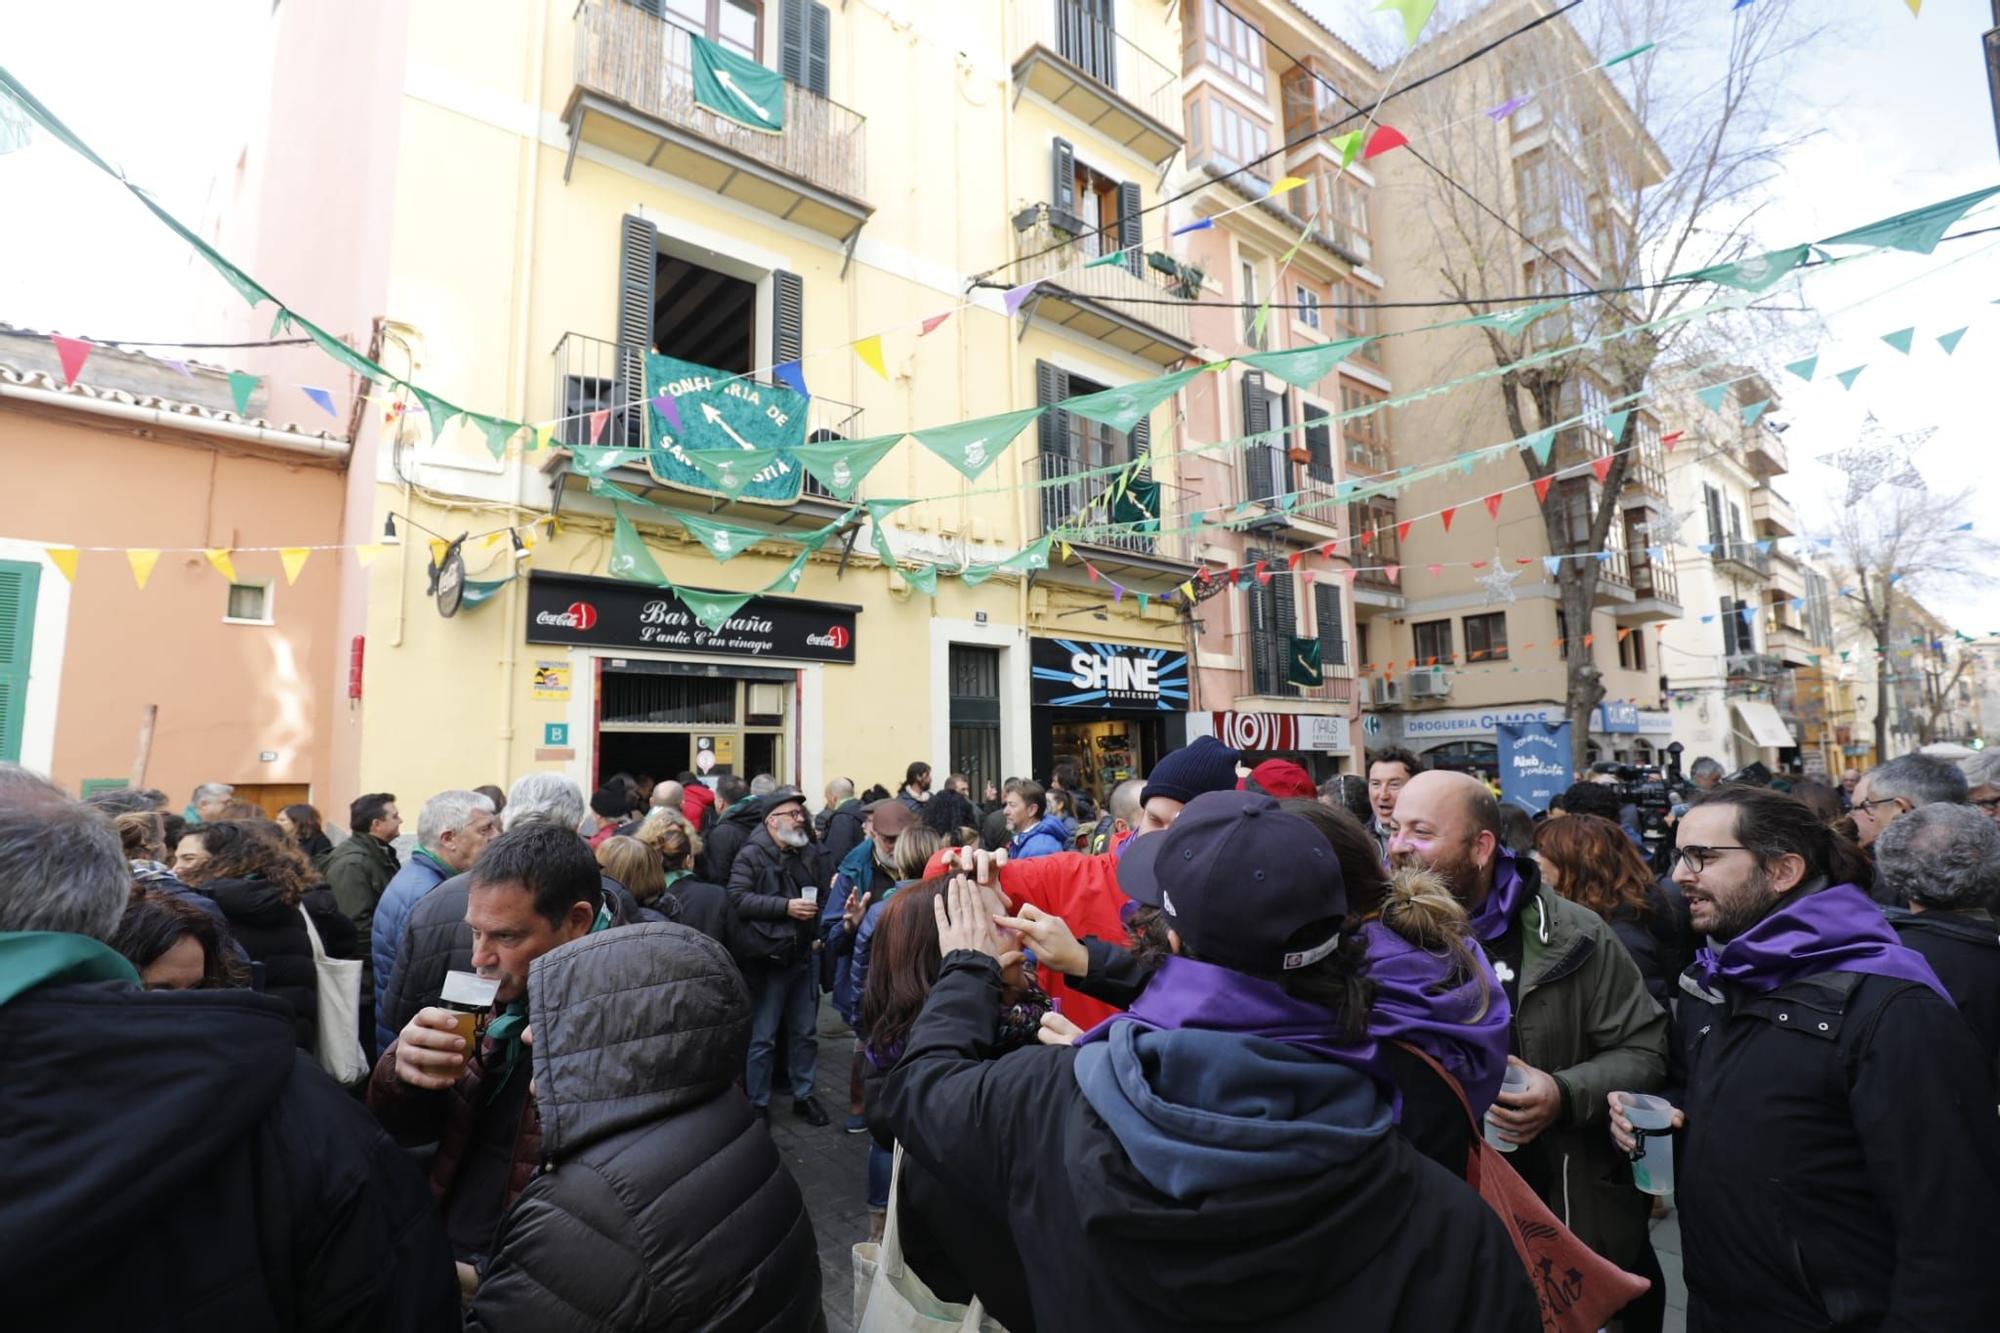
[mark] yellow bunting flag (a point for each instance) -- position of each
(219, 557)
(1067, 554)
(492, 540)
(1285, 184)
(544, 436)
(870, 351)
(438, 547)
(365, 555)
(1916, 6)
(142, 565)
(64, 558)
(294, 558)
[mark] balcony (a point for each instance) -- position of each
(1294, 492)
(1614, 583)
(590, 377)
(1656, 592)
(1742, 558)
(1372, 588)
(1645, 476)
(1786, 638)
(1073, 59)
(1071, 508)
(634, 96)
(1764, 451)
(1107, 303)
(1773, 514)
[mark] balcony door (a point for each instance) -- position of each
(736, 24)
(1085, 36)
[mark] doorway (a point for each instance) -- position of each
(667, 718)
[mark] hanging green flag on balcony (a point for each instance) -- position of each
(1136, 506)
(743, 90)
(1302, 663)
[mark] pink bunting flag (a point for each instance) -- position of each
(930, 325)
(1434, 569)
(1292, 560)
(1385, 138)
(1394, 573)
(73, 352)
(1348, 573)
(598, 420)
(1309, 576)
(1091, 570)
(1671, 440)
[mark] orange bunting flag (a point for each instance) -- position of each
(1589, 639)
(1602, 468)
(1624, 633)
(1542, 485)
(219, 557)
(869, 349)
(63, 558)
(142, 565)
(1493, 505)
(1446, 516)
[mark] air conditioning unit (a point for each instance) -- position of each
(1430, 683)
(1385, 692)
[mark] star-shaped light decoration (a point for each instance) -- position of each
(1498, 580)
(1663, 528)
(1879, 459)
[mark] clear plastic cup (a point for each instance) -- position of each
(810, 893)
(1653, 1167)
(1514, 1080)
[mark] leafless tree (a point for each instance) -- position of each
(1891, 547)
(1659, 172)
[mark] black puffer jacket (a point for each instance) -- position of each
(1963, 948)
(762, 885)
(181, 1165)
(273, 933)
(436, 940)
(841, 835)
(665, 1205)
(732, 830)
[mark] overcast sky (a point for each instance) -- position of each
(1902, 105)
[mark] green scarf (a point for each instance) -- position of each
(31, 958)
(425, 855)
(503, 1033)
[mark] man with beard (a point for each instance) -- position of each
(1837, 1149)
(1583, 1023)
(775, 918)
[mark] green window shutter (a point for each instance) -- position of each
(18, 585)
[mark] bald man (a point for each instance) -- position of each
(1583, 1024)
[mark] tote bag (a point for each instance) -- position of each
(889, 1298)
(1577, 1287)
(338, 1047)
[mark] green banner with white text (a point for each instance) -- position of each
(696, 409)
(743, 90)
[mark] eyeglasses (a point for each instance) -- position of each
(1880, 800)
(1988, 803)
(1697, 859)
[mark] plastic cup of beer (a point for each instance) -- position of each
(469, 997)
(810, 893)
(1653, 1167)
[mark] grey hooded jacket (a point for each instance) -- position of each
(665, 1205)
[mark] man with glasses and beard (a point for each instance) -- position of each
(772, 891)
(1837, 1146)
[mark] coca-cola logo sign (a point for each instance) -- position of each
(612, 613)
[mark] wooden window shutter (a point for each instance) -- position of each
(1332, 637)
(1062, 187)
(803, 28)
(1052, 438)
(819, 47)
(1262, 659)
(1262, 481)
(19, 582)
(1131, 227)
(1319, 444)
(1284, 607)
(788, 316)
(638, 274)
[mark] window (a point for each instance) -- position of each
(1712, 500)
(1632, 651)
(1319, 445)
(1363, 435)
(1359, 318)
(249, 604)
(1308, 306)
(1433, 640)
(1233, 46)
(1736, 636)
(975, 714)
(1486, 637)
(1237, 140)
(1311, 105)
(1572, 323)
(1350, 213)
(1552, 197)
(1250, 299)
(1097, 210)
(736, 24)
(1326, 617)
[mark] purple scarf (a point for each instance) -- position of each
(1829, 930)
(1186, 993)
(1413, 1004)
(1503, 901)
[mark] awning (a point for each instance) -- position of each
(1764, 724)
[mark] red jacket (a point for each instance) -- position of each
(696, 800)
(1083, 891)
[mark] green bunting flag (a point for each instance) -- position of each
(629, 557)
(1847, 377)
(730, 469)
(1949, 341)
(438, 410)
(1614, 423)
(241, 385)
(1303, 367)
(1753, 274)
(1513, 321)
(840, 465)
(478, 592)
(923, 579)
(974, 446)
(1302, 663)
(1540, 443)
(344, 354)
(789, 580)
(1900, 339)
(595, 463)
(1415, 14)
(738, 88)
(498, 433)
(1712, 396)
(1804, 369)
(712, 610)
(1633, 54)
(1919, 229)
(1127, 405)
(1348, 145)
(725, 541)
(1755, 410)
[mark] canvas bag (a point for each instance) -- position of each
(338, 1047)
(1576, 1287)
(889, 1298)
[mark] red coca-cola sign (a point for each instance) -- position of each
(836, 637)
(576, 616)
(616, 613)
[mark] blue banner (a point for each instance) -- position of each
(1534, 763)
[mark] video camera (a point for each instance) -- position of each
(1658, 797)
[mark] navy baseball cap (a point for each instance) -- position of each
(1239, 878)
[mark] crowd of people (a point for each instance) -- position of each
(1215, 1047)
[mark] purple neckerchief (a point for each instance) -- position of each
(1812, 931)
(1186, 993)
(1414, 1003)
(1495, 914)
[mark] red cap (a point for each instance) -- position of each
(1280, 779)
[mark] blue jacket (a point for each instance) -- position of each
(864, 949)
(1044, 838)
(855, 875)
(419, 875)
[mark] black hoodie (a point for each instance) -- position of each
(172, 1160)
(1370, 1236)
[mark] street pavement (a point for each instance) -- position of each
(832, 1170)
